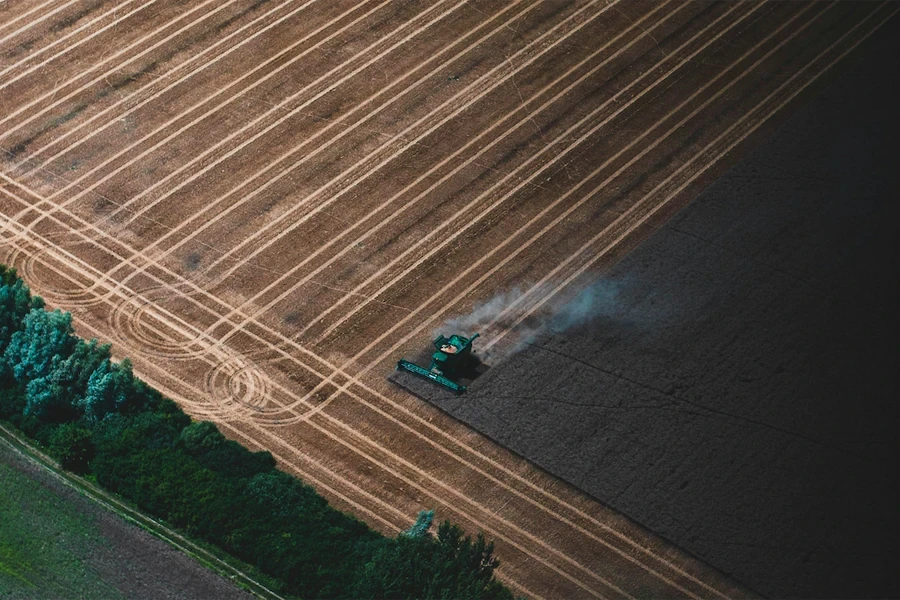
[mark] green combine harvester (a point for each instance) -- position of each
(451, 356)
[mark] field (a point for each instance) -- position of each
(266, 204)
(55, 543)
(37, 535)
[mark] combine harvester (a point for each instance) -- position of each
(446, 364)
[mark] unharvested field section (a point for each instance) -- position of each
(267, 203)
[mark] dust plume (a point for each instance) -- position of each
(501, 312)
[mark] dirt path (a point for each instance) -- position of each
(266, 204)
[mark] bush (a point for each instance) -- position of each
(12, 402)
(419, 566)
(43, 341)
(73, 447)
(15, 302)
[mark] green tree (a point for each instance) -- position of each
(447, 566)
(15, 303)
(200, 437)
(284, 496)
(8, 276)
(48, 401)
(214, 451)
(12, 402)
(59, 396)
(45, 339)
(75, 370)
(109, 389)
(73, 446)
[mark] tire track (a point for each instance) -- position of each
(466, 218)
(85, 190)
(227, 211)
(361, 18)
(209, 299)
(189, 65)
(32, 55)
(51, 95)
(406, 142)
(285, 117)
(73, 199)
(34, 22)
(334, 123)
(424, 176)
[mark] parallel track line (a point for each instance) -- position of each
(223, 213)
(152, 245)
(85, 190)
(407, 142)
(418, 180)
(472, 220)
(61, 40)
(188, 65)
(36, 21)
(281, 120)
(123, 52)
(336, 122)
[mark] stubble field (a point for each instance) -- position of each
(266, 204)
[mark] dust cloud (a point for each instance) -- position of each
(500, 313)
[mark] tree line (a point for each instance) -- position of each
(98, 419)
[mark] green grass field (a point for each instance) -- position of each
(45, 541)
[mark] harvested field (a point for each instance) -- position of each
(266, 204)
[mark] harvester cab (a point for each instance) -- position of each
(447, 361)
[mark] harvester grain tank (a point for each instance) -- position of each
(446, 363)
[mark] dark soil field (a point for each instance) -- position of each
(736, 389)
(55, 543)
